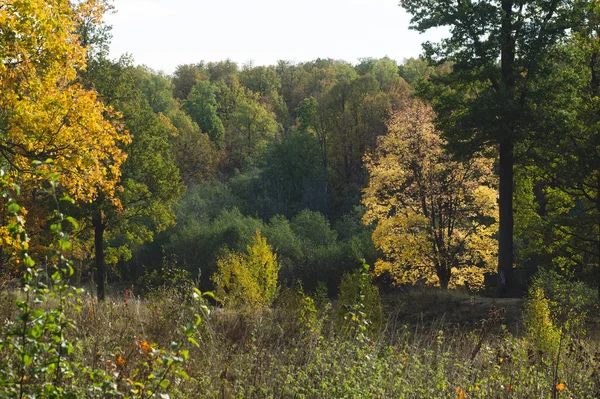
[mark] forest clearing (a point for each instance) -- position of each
(428, 228)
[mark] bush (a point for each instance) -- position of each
(248, 279)
(359, 302)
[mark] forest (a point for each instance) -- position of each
(428, 228)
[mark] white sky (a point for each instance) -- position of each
(165, 33)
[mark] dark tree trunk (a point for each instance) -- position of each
(99, 227)
(505, 234)
(444, 275)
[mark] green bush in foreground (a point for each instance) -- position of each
(40, 347)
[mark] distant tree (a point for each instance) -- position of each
(185, 77)
(292, 175)
(195, 154)
(222, 71)
(261, 80)
(156, 88)
(435, 217)
(201, 105)
(414, 70)
(249, 124)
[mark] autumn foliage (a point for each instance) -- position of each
(45, 112)
(435, 217)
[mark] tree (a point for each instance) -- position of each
(201, 105)
(435, 216)
(150, 182)
(185, 78)
(44, 111)
(249, 124)
(261, 80)
(351, 116)
(414, 70)
(484, 100)
(292, 175)
(194, 153)
(156, 89)
(559, 214)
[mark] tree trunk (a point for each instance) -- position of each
(100, 276)
(505, 233)
(444, 275)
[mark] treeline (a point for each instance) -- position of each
(277, 149)
(218, 151)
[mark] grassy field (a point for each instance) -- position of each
(419, 344)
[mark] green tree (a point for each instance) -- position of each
(201, 105)
(414, 70)
(249, 126)
(559, 214)
(150, 182)
(485, 100)
(156, 88)
(195, 154)
(184, 79)
(292, 175)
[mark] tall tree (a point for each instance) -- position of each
(150, 182)
(495, 47)
(185, 77)
(559, 217)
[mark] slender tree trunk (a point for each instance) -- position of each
(597, 271)
(505, 233)
(99, 227)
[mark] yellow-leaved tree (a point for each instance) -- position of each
(435, 217)
(248, 279)
(45, 113)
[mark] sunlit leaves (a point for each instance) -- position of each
(46, 113)
(435, 217)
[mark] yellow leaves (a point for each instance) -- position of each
(47, 114)
(560, 387)
(432, 213)
(249, 279)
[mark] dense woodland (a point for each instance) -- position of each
(238, 201)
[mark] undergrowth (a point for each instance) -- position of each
(58, 342)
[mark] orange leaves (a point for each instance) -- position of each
(120, 360)
(46, 114)
(461, 394)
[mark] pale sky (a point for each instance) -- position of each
(165, 33)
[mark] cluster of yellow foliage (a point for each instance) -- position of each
(248, 279)
(435, 217)
(45, 113)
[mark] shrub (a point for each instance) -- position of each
(359, 301)
(541, 329)
(248, 279)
